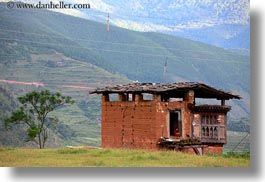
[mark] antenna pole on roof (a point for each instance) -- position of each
(108, 23)
(164, 72)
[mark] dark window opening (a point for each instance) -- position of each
(175, 123)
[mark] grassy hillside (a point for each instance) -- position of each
(65, 157)
(74, 55)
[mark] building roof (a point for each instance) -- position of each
(169, 89)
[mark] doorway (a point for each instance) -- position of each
(175, 122)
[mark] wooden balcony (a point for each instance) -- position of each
(213, 133)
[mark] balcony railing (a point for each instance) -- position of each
(213, 133)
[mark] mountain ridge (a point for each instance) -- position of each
(226, 21)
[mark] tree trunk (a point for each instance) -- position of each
(40, 143)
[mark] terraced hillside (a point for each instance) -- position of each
(80, 123)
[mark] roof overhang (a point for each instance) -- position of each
(170, 90)
(209, 108)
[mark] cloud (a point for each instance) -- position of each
(196, 24)
(143, 27)
(72, 12)
(146, 27)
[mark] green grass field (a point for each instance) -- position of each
(84, 157)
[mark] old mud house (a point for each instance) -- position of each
(151, 116)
